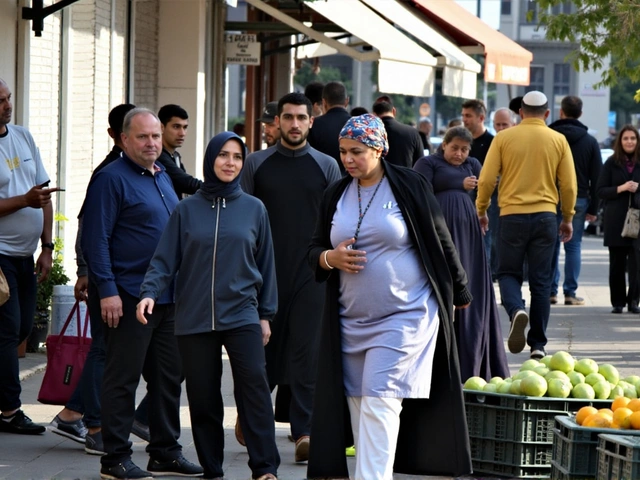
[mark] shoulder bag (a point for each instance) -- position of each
(631, 222)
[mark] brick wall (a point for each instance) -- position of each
(145, 62)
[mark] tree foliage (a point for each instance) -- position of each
(600, 29)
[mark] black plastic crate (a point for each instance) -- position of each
(512, 453)
(559, 473)
(618, 457)
(512, 471)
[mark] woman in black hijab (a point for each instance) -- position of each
(217, 246)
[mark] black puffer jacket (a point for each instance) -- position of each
(586, 158)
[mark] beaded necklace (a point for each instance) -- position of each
(361, 214)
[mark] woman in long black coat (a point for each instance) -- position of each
(432, 437)
(617, 185)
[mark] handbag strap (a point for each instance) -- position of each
(86, 326)
(76, 310)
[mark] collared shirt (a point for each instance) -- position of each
(126, 210)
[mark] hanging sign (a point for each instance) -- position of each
(242, 48)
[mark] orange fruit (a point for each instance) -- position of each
(606, 411)
(597, 420)
(621, 417)
(583, 413)
(634, 419)
(619, 402)
(634, 404)
(615, 425)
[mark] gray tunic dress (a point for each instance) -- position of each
(388, 312)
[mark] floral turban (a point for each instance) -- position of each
(367, 129)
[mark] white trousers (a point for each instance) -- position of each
(375, 422)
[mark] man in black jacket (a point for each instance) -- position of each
(405, 144)
(588, 163)
(326, 128)
(175, 122)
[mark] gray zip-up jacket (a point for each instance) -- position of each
(222, 258)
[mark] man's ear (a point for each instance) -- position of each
(111, 133)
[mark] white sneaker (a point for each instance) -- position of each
(517, 340)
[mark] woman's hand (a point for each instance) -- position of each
(266, 331)
(470, 183)
(344, 258)
(629, 186)
(145, 306)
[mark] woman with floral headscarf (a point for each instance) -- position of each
(387, 342)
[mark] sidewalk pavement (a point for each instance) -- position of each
(585, 331)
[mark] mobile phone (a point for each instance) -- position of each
(45, 184)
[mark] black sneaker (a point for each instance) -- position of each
(140, 430)
(93, 444)
(76, 431)
(180, 467)
(20, 423)
(124, 470)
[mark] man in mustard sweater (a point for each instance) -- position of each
(533, 163)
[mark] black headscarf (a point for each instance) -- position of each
(213, 187)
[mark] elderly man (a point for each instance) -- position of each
(503, 118)
(536, 173)
(127, 206)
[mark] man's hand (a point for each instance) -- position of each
(43, 265)
(145, 306)
(80, 288)
(111, 308)
(565, 231)
(484, 223)
(38, 196)
(590, 218)
(266, 331)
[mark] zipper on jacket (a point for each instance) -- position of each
(213, 267)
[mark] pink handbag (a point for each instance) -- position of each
(65, 361)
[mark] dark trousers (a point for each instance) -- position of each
(86, 397)
(202, 363)
(531, 237)
(621, 260)
(16, 321)
(151, 350)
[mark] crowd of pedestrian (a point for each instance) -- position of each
(348, 266)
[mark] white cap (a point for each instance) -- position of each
(535, 99)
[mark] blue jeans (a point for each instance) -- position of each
(531, 237)
(86, 397)
(16, 321)
(572, 250)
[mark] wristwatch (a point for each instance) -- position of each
(49, 245)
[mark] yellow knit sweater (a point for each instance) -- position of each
(533, 162)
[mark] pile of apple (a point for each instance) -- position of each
(562, 376)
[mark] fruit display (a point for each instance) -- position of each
(624, 414)
(562, 376)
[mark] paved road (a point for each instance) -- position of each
(585, 331)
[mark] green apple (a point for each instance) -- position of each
(490, 388)
(515, 387)
(616, 391)
(575, 377)
(504, 387)
(632, 379)
(583, 390)
(609, 372)
(562, 361)
(630, 391)
(529, 364)
(533, 386)
(475, 383)
(603, 390)
(556, 374)
(545, 360)
(541, 370)
(523, 374)
(586, 366)
(559, 388)
(496, 380)
(594, 378)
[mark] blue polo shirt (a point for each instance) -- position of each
(125, 212)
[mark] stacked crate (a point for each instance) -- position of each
(512, 435)
(618, 457)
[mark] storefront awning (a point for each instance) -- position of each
(460, 71)
(403, 66)
(505, 60)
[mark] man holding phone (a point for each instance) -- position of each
(26, 215)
